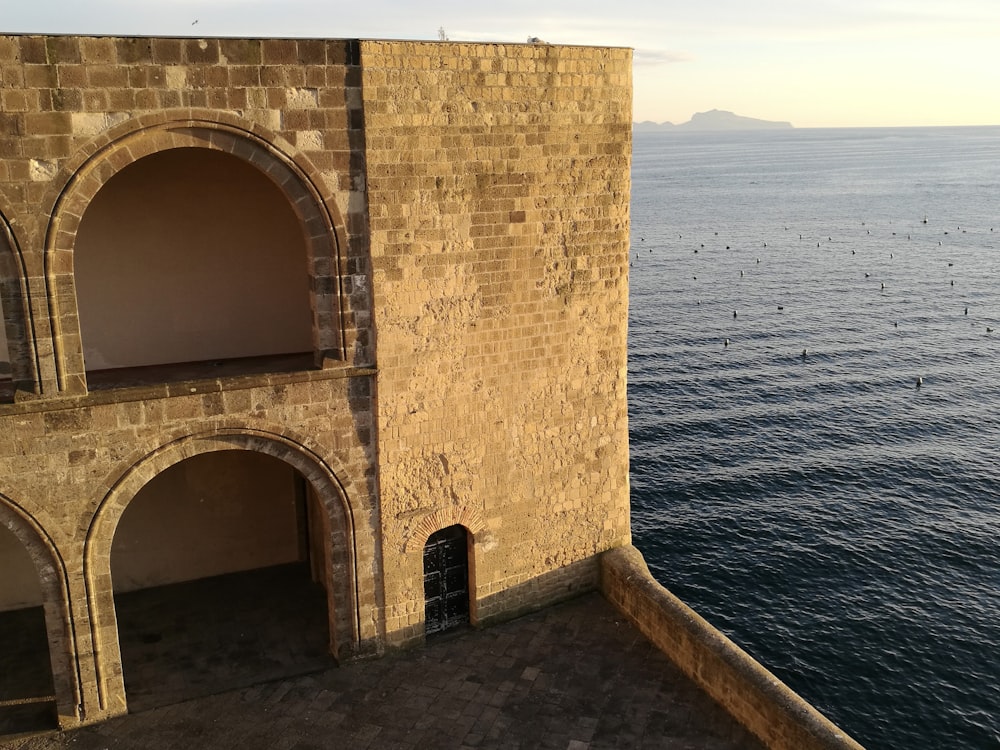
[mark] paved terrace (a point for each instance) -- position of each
(575, 676)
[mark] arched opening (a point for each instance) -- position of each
(446, 580)
(191, 255)
(27, 692)
(218, 567)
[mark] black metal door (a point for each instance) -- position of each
(446, 579)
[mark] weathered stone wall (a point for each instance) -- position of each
(75, 112)
(751, 694)
(464, 210)
(72, 467)
(498, 191)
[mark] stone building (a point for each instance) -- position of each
(349, 312)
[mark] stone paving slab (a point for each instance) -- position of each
(576, 676)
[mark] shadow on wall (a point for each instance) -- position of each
(539, 592)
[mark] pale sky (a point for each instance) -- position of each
(815, 63)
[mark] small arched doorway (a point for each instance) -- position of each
(218, 567)
(446, 580)
(27, 692)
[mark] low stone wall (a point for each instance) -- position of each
(751, 694)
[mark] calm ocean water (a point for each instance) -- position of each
(796, 486)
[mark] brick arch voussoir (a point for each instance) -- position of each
(54, 584)
(462, 515)
(208, 123)
(328, 489)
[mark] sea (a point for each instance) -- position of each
(814, 407)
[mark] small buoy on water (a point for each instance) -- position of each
(920, 381)
(804, 353)
(734, 313)
(726, 342)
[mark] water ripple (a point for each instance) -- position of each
(795, 484)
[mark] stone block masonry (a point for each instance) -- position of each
(397, 269)
(498, 189)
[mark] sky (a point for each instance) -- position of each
(814, 63)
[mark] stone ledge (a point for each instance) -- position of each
(196, 386)
(749, 692)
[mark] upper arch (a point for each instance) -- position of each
(130, 141)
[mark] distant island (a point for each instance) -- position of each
(716, 119)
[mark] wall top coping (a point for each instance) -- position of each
(376, 40)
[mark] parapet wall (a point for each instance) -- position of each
(751, 694)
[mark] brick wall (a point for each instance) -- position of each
(75, 110)
(498, 188)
